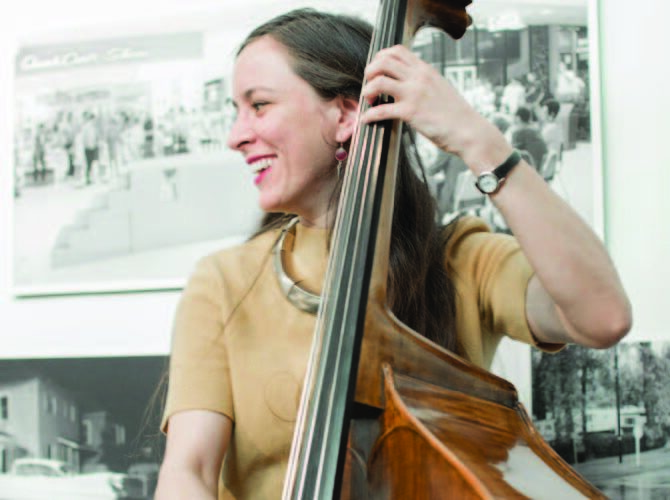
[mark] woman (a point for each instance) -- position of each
(240, 346)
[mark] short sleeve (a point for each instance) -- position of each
(199, 372)
(498, 273)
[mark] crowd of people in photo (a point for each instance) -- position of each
(541, 123)
(95, 145)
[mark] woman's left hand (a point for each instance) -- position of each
(427, 102)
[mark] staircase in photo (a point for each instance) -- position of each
(163, 202)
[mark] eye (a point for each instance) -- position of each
(257, 105)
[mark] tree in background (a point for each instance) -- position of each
(655, 395)
(565, 386)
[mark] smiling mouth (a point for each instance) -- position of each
(262, 165)
(260, 175)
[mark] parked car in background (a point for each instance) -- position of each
(47, 479)
(147, 472)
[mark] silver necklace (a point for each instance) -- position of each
(299, 297)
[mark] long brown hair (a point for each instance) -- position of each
(329, 52)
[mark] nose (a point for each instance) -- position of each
(240, 134)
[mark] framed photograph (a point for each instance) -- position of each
(80, 427)
(531, 68)
(122, 175)
(607, 413)
(122, 178)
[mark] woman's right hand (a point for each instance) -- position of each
(432, 106)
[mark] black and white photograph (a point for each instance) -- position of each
(122, 176)
(529, 68)
(608, 414)
(80, 428)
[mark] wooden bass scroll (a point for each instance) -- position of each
(386, 413)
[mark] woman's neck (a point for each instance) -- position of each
(322, 220)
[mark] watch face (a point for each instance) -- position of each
(487, 182)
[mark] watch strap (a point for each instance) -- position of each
(506, 167)
(497, 175)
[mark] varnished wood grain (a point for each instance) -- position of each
(437, 443)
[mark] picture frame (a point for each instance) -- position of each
(165, 202)
(549, 51)
(148, 201)
(81, 427)
(605, 413)
(136, 209)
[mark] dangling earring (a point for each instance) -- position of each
(340, 155)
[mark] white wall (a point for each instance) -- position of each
(636, 131)
(636, 123)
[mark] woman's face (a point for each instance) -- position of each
(287, 133)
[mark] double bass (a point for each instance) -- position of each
(386, 413)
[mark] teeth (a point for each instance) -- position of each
(261, 165)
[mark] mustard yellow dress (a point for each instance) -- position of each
(240, 348)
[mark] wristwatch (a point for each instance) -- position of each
(490, 182)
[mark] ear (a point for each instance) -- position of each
(348, 117)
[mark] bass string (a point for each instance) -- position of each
(355, 182)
